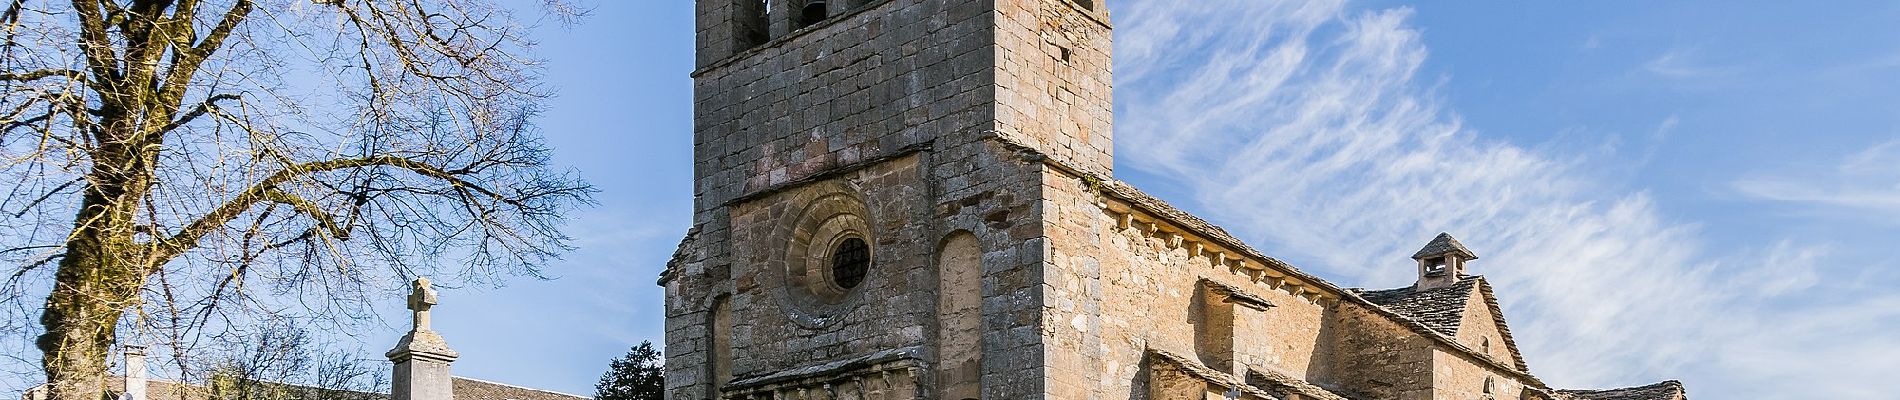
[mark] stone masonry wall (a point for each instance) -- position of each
(844, 95)
(1372, 356)
(895, 103)
(1478, 326)
(1053, 86)
(986, 189)
(1114, 292)
(1459, 377)
(912, 122)
(1116, 288)
(1456, 377)
(896, 74)
(779, 326)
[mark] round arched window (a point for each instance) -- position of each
(850, 262)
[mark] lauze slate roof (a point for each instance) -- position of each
(1441, 309)
(1665, 390)
(1444, 244)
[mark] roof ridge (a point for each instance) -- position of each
(1666, 390)
(519, 387)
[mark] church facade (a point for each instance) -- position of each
(915, 199)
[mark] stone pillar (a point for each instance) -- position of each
(134, 373)
(422, 358)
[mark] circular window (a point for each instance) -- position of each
(826, 265)
(849, 262)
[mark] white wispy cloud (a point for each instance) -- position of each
(1304, 126)
(1863, 184)
(1679, 63)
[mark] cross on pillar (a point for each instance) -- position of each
(421, 298)
(421, 358)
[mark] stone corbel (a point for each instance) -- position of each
(1311, 297)
(1234, 295)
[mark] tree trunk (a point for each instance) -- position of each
(98, 279)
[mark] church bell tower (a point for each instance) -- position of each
(870, 217)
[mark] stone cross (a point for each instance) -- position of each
(422, 358)
(421, 298)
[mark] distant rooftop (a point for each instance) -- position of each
(465, 389)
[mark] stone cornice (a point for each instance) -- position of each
(876, 365)
(423, 346)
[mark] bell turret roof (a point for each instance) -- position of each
(1442, 245)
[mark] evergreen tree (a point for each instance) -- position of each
(640, 375)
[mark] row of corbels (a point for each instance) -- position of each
(1127, 217)
(888, 377)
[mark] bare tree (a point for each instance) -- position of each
(282, 361)
(175, 167)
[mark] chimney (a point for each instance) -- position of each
(134, 373)
(422, 358)
(1442, 262)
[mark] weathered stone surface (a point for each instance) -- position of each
(422, 357)
(969, 143)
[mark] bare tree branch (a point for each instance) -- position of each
(371, 139)
(200, 110)
(34, 75)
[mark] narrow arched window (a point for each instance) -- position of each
(751, 21)
(721, 338)
(960, 316)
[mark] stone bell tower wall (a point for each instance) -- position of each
(909, 123)
(872, 83)
(890, 75)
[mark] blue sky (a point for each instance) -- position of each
(1694, 190)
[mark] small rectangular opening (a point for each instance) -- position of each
(1057, 51)
(1435, 266)
(813, 12)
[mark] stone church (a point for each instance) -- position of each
(915, 199)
